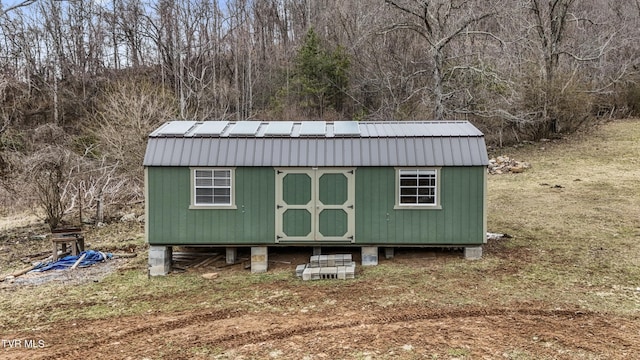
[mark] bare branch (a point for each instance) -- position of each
(488, 34)
(406, 9)
(444, 41)
(5, 126)
(406, 26)
(17, 6)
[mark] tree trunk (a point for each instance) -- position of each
(438, 96)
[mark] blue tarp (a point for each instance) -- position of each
(68, 261)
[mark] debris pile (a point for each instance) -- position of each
(503, 164)
(320, 267)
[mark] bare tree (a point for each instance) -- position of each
(564, 38)
(550, 19)
(438, 23)
(128, 112)
(51, 170)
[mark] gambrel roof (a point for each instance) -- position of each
(316, 144)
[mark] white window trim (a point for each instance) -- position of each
(400, 206)
(193, 204)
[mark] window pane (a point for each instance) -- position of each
(426, 200)
(203, 173)
(222, 174)
(426, 172)
(426, 191)
(427, 182)
(222, 199)
(221, 182)
(408, 191)
(407, 199)
(408, 182)
(223, 191)
(204, 191)
(204, 199)
(408, 176)
(204, 182)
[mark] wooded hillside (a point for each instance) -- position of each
(83, 82)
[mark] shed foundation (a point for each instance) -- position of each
(369, 255)
(231, 255)
(259, 259)
(388, 253)
(473, 252)
(160, 260)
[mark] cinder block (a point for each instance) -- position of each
(314, 261)
(331, 260)
(160, 260)
(330, 272)
(369, 255)
(345, 259)
(315, 273)
(343, 267)
(350, 271)
(259, 259)
(473, 252)
(388, 252)
(231, 255)
(300, 269)
(306, 274)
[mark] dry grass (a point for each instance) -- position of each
(580, 240)
(16, 220)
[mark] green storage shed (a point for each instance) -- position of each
(314, 183)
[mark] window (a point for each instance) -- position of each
(418, 187)
(212, 187)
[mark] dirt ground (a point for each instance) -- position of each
(478, 333)
(534, 330)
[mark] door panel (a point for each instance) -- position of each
(333, 189)
(335, 204)
(296, 189)
(295, 208)
(315, 204)
(296, 223)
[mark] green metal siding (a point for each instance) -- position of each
(171, 222)
(459, 221)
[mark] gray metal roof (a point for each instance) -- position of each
(316, 143)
